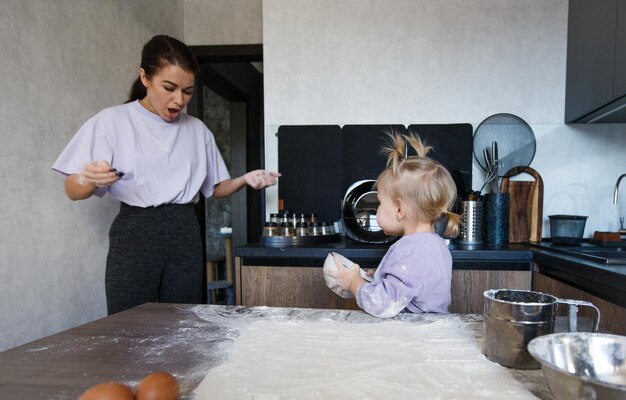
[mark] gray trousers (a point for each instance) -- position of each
(155, 255)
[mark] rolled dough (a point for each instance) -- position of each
(337, 360)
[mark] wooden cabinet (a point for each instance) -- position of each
(613, 317)
(287, 287)
(293, 286)
(596, 61)
(468, 287)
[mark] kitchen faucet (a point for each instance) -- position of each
(617, 188)
(621, 219)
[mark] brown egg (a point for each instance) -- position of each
(108, 391)
(158, 386)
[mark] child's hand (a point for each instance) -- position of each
(345, 276)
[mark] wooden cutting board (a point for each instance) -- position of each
(526, 207)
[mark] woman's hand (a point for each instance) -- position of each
(98, 173)
(260, 178)
(257, 179)
(95, 174)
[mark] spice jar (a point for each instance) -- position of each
(311, 217)
(326, 228)
(315, 229)
(301, 218)
(285, 229)
(287, 217)
(274, 218)
(270, 229)
(302, 229)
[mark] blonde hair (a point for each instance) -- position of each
(424, 185)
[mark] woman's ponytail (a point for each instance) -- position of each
(137, 91)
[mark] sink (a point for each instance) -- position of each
(606, 255)
(611, 255)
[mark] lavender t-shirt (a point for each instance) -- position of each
(163, 162)
(415, 274)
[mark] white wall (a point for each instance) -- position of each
(447, 61)
(215, 22)
(62, 61)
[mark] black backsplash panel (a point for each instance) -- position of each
(320, 162)
(361, 147)
(309, 159)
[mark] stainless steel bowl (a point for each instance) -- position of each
(582, 365)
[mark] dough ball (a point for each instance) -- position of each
(158, 386)
(108, 391)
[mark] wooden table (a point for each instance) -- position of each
(185, 340)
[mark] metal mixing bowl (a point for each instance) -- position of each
(582, 365)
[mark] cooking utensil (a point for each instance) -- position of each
(516, 143)
(492, 174)
(582, 365)
(514, 317)
(359, 213)
(526, 205)
(495, 187)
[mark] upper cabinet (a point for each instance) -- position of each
(596, 62)
(619, 87)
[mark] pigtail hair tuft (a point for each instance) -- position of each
(420, 147)
(394, 151)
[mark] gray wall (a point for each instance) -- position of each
(62, 61)
(214, 22)
(447, 61)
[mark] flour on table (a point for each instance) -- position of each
(337, 360)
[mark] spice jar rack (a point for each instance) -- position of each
(287, 229)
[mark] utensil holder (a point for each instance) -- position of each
(497, 218)
(472, 217)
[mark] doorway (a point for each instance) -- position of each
(228, 97)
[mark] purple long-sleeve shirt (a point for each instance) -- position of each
(415, 274)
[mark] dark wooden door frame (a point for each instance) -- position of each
(228, 53)
(219, 54)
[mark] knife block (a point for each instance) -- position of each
(526, 205)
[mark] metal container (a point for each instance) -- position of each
(582, 365)
(514, 317)
(471, 227)
(567, 229)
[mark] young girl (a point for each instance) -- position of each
(415, 274)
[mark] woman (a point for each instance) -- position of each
(156, 160)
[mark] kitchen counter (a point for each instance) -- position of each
(185, 340)
(608, 282)
(605, 281)
(516, 256)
